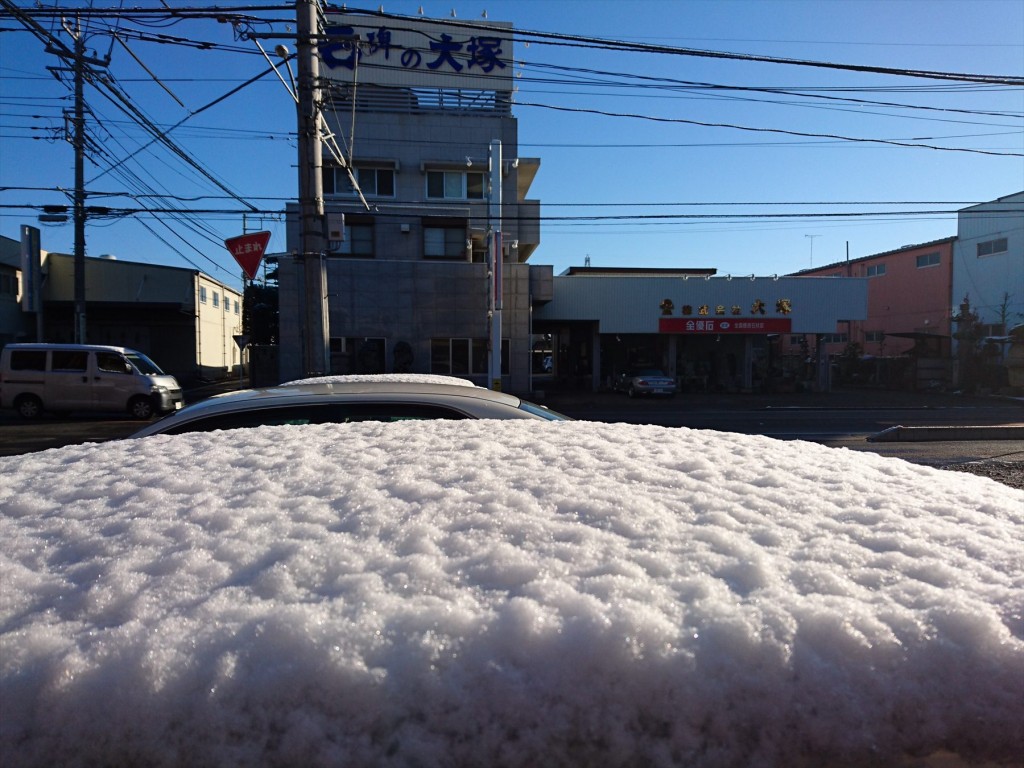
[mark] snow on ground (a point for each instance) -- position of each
(510, 593)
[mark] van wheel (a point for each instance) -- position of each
(29, 406)
(141, 407)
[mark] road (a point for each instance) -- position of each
(841, 419)
(837, 419)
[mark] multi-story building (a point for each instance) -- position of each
(423, 112)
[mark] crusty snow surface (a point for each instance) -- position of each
(504, 593)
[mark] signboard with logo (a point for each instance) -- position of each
(418, 54)
(724, 325)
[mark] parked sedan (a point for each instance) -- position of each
(336, 401)
(646, 381)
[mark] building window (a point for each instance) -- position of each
(202, 294)
(928, 260)
(455, 185)
(373, 182)
(875, 270)
(236, 306)
(461, 357)
(358, 238)
(216, 299)
(376, 182)
(874, 336)
(444, 240)
(227, 304)
(990, 247)
(834, 338)
(358, 354)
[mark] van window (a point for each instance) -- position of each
(110, 362)
(144, 365)
(69, 360)
(28, 360)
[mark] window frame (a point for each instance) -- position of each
(992, 247)
(454, 230)
(336, 183)
(442, 358)
(875, 270)
(449, 177)
(926, 260)
(359, 230)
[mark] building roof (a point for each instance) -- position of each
(902, 249)
(638, 271)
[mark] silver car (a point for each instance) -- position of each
(346, 401)
(647, 381)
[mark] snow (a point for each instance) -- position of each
(408, 378)
(505, 593)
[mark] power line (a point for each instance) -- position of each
(555, 38)
(786, 132)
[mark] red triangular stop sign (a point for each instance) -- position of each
(248, 250)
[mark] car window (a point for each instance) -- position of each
(144, 365)
(69, 360)
(322, 413)
(28, 360)
(111, 362)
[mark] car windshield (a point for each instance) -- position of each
(649, 372)
(143, 364)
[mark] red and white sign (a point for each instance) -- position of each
(248, 250)
(725, 325)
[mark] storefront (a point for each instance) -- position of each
(713, 333)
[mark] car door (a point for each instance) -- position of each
(68, 387)
(113, 381)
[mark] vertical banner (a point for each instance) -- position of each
(498, 258)
(31, 269)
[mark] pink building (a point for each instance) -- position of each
(909, 303)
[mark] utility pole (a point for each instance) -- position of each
(79, 198)
(312, 243)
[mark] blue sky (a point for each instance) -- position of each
(649, 165)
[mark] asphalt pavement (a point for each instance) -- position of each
(945, 407)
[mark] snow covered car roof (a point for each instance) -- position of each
(335, 400)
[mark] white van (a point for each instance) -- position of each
(84, 377)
